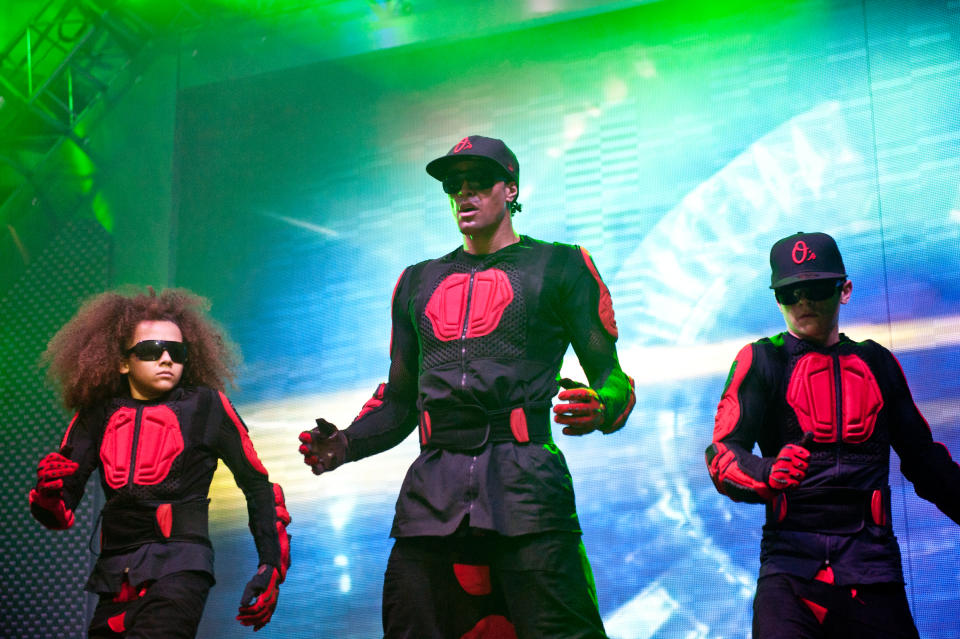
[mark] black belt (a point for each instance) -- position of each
(127, 525)
(469, 427)
(829, 510)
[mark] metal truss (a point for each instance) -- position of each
(59, 67)
(70, 57)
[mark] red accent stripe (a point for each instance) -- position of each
(825, 575)
(425, 428)
(69, 428)
(248, 449)
(518, 425)
(605, 308)
(165, 519)
(818, 611)
(877, 510)
(116, 623)
(393, 296)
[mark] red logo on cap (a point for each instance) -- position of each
(462, 144)
(801, 253)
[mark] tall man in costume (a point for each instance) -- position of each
(486, 526)
(144, 374)
(824, 411)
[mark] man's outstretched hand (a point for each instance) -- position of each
(324, 447)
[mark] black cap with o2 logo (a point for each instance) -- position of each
(805, 256)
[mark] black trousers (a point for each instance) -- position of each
(170, 609)
(869, 611)
(541, 582)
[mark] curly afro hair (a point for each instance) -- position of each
(85, 354)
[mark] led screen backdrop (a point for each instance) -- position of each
(676, 146)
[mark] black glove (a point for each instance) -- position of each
(324, 447)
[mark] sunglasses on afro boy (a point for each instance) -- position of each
(151, 350)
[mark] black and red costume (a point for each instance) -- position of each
(476, 348)
(156, 460)
(832, 534)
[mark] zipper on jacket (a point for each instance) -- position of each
(838, 391)
(133, 447)
(463, 331)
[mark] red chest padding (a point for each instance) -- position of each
(812, 395)
(485, 299)
(158, 443)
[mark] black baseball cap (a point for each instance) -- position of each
(805, 256)
(477, 146)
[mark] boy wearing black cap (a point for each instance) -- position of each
(824, 411)
(487, 535)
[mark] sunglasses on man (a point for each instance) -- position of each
(813, 291)
(476, 179)
(151, 350)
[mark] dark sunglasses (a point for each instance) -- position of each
(815, 291)
(151, 350)
(478, 180)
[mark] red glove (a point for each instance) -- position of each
(791, 465)
(46, 500)
(259, 598)
(51, 470)
(324, 447)
(584, 411)
(283, 520)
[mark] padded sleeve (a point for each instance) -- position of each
(734, 469)
(925, 462)
(80, 443)
(587, 310)
(236, 449)
(382, 427)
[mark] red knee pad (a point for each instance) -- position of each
(492, 627)
(818, 611)
(475, 580)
